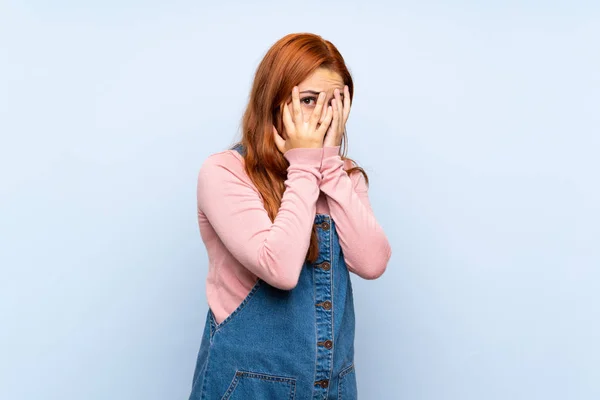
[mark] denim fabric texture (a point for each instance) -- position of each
(285, 344)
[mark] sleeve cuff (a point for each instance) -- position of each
(305, 156)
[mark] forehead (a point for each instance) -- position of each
(322, 80)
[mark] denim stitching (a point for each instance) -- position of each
(342, 374)
(265, 377)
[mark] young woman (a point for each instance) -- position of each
(285, 217)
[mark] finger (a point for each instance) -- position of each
(315, 116)
(323, 113)
(340, 104)
(325, 125)
(279, 142)
(330, 135)
(297, 110)
(336, 115)
(287, 119)
(346, 103)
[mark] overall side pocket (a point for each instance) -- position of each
(215, 327)
(347, 384)
(252, 385)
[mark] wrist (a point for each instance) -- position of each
(331, 151)
(304, 155)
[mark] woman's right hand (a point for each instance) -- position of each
(301, 133)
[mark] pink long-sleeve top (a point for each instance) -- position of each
(243, 244)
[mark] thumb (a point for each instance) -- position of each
(279, 142)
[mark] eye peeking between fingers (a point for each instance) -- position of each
(308, 99)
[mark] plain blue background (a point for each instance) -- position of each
(478, 124)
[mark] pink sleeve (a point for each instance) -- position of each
(364, 244)
(273, 251)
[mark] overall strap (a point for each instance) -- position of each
(239, 148)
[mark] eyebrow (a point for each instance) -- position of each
(317, 93)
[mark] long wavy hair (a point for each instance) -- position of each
(288, 62)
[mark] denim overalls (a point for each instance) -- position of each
(285, 345)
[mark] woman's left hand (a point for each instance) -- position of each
(341, 111)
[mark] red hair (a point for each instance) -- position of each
(288, 62)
